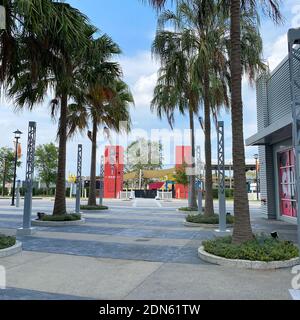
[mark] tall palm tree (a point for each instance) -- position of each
(242, 227)
(238, 8)
(199, 28)
(49, 59)
(103, 106)
(177, 88)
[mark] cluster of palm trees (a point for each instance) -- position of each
(51, 48)
(211, 45)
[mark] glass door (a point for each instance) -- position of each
(286, 161)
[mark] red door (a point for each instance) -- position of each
(286, 161)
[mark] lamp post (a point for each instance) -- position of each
(256, 175)
(17, 137)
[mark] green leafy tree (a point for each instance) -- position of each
(180, 175)
(143, 154)
(46, 163)
(48, 59)
(7, 162)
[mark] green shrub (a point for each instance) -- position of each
(93, 208)
(63, 217)
(261, 248)
(188, 209)
(228, 193)
(6, 242)
(200, 218)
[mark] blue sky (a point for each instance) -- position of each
(132, 25)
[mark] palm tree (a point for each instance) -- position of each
(242, 228)
(244, 49)
(104, 106)
(199, 27)
(176, 88)
(49, 59)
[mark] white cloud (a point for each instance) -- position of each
(277, 51)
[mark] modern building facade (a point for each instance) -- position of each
(274, 138)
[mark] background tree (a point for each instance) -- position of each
(180, 175)
(46, 163)
(7, 161)
(143, 154)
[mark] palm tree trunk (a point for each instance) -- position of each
(60, 195)
(92, 189)
(209, 202)
(192, 188)
(242, 227)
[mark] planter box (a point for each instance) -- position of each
(204, 225)
(246, 264)
(11, 250)
(39, 223)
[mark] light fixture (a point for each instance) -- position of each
(17, 134)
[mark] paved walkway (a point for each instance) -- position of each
(136, 250)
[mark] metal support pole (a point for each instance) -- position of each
(198, 164)
(294, 61)
(18, 194)
(27, 230)
(200, 210)
(78, 178)
(256, 173)
(101, 181)
(4, 175)
(221, 177)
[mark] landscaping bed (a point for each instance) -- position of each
(93, 208)
(263, 252)
(6, 241)
(58, 220)
(202, 219)
(187, 209)
(63, 217)
(9, 246)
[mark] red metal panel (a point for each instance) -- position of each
(113, 171)
(183, 156)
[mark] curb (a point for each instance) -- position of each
(246, 264)
(203, 225)
(187, 212)
(38, 223)
(11, 250)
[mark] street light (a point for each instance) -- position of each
(256, 173)
(17, 137)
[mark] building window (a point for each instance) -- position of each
(286, 161)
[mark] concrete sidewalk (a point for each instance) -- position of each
(131, 253)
